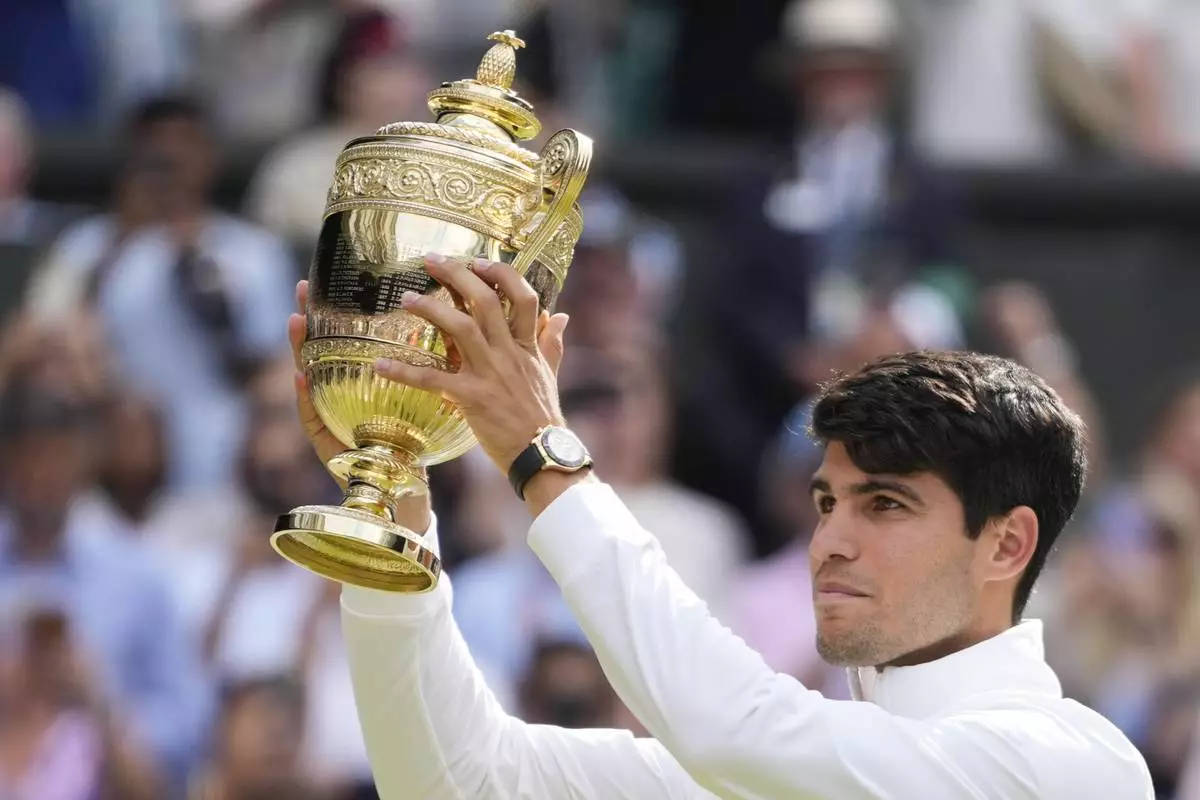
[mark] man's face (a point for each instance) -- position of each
(841, 88)
(175, 161)
(891, 563)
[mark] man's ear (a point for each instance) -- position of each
(1014, 539)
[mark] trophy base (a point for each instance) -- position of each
(357, 547)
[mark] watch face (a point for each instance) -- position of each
(564, 447)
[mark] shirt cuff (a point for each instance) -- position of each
(363, 602)
(567, 536)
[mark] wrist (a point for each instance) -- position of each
(548, 485)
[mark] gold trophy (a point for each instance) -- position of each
(462, 187)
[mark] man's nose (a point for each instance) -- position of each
(834, 537)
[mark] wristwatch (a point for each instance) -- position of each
(553, 448)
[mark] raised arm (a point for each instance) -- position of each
(434, 730)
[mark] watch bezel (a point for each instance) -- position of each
(554, 458)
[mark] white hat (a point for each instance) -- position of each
(852, 24)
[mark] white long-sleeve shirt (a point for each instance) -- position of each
(986, 723)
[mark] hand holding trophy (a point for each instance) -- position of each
(461, 188)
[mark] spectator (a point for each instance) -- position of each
(47, 748)
(370, 77)
(50, 701)
(851, 212)
(566, 687)
(133, 493)
(625, 271)
(258, 744)
(251, 604)
(129, 648)
(191, 299)
(620, 397)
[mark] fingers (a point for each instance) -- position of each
(324, 443)
(520, 294)
(308, 412)
(427, 378)
(296, 328)
(551, 341)
(468, 339)
(302, 297)
(480, 299)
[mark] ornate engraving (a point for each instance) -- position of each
(316, 350)
(464, 136)
(492, 201)
(560, 250)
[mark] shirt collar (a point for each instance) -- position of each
(1013, 661)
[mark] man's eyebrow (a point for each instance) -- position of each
(818, 485)
(884, 485)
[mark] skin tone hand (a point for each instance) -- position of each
(506, 386)
(414, 512)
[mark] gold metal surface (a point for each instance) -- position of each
(460, 186)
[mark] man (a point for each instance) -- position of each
(944, 483)
(857, 210)
(192, 299)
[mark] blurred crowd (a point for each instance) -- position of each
(152, 645)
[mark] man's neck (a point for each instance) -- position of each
(950, 645)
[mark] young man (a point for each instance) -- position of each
(945, 481)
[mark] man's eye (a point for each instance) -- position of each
(825, 504)
(883, 503)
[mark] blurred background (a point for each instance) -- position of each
(782, 189)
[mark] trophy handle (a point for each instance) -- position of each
(565, 162)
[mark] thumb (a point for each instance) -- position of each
(550, 343)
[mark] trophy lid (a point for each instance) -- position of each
(488, 97)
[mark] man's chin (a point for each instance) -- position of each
(841, 650)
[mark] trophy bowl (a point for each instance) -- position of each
(460, 186)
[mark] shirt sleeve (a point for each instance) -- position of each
(743, 731)
(434, 730)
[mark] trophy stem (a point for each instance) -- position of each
(377, 476)
(359, 542)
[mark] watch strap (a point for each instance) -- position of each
(530, 462)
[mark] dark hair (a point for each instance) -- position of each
(154, 111)
(994, 431)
